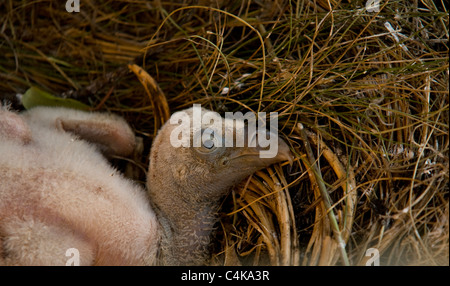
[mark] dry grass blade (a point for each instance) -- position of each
(348, 184)
(156, 95)
(340, 242)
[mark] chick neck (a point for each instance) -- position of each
(187, 225)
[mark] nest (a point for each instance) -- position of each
(361, 90)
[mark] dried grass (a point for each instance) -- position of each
(369, 88)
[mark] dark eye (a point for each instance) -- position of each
(208, 144)
(208, 139)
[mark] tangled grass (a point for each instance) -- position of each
(362, 97)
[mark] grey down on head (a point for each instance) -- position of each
(58, 192)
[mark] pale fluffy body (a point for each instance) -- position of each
(58, 192)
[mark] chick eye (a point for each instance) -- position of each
(208, 139)
(208, 144)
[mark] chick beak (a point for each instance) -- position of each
(284, 152)
(253, 153)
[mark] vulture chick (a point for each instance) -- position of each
(185, 184)
(58, 192)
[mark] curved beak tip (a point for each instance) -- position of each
(287, 156)
(284, 152)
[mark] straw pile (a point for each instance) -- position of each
(361, 91)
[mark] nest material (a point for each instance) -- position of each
(362, 96)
